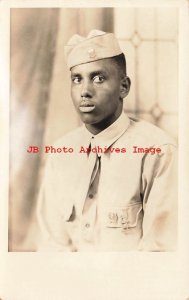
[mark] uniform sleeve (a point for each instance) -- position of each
(159, 182)
(54, 236)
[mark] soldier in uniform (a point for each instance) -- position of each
(117, 190)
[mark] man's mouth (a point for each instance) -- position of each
(86, 106)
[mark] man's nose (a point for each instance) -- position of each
(86, 91)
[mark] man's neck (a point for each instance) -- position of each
(97, 128)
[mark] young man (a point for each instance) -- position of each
(116, 189)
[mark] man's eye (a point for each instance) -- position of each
(98, 79)
(76, 80)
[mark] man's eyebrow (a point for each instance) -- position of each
(75, 74)
(91, 74)
(98, 72)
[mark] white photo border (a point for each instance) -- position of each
(25, 276)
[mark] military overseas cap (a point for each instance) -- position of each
(97, 45)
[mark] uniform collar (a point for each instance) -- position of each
(109, 135)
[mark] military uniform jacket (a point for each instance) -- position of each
(135, 207)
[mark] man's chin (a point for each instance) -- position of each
(88, 119)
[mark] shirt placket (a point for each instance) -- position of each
(89, 214)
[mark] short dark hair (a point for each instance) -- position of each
(120, 61)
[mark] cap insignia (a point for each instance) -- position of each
(91, 53)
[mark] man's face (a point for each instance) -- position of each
(96, 93)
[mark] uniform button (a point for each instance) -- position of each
(91, 196)
(87, 225)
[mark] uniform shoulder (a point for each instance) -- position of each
(69, 138)
(146, 132)
(67, 144)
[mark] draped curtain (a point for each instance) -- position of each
(40, 103)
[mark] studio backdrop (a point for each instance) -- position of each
(41, 108)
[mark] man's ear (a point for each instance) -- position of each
(125, 86)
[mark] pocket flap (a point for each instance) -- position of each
(124, 217)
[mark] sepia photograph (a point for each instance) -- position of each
(93, 129)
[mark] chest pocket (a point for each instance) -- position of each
(123, 217)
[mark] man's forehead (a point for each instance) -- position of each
(100, 66)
